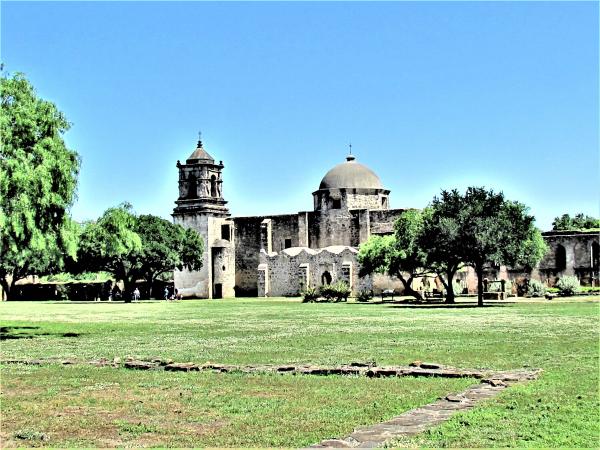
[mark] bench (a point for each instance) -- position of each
(387, 293)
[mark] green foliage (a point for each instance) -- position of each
(310, 294)
(495, 230)
(38, 180)
(165, 246)
(579, 222)
(440, 240)
(536, 288)
(532, 250)
(83, 276)
(132, 247)
(376, 254)
(567, 285)
(364, 295)
(399, 254)
(341, 290)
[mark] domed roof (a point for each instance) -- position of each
(350, 174)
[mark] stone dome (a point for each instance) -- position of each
(350, 174)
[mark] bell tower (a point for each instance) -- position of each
(201, 206)
(200, 185)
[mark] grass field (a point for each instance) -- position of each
(88, 406)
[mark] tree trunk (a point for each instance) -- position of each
(8, 284)
(5, 288)
(127, 282)
(408, 290)
(126, 290)
(450, 294)
(150, 280)
(479, 271)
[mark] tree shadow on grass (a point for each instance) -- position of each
(425, 305)
(9, 333)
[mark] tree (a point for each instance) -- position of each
(38, 180)
(440, 239)
(579, 222)
(133, 247)
(398, 255)
(495, 230)
(165, 246)
(109, 243)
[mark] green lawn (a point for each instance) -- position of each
(87, 406)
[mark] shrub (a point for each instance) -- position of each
(326, 291)
(589, 289)
(536, 288)
(337, 291)
(497, 287)
(457, 288)
(310, 294)
(567, 285)
(364, 296)
(341, 290)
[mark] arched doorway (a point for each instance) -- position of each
(561, 258)
(326, 278)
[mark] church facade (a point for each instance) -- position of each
(279, 255)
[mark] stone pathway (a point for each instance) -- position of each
(420, 419)
(406, 424)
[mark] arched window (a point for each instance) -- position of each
(595, 256)
(192, 186)
(561, 258)
(213, 186)
(326, 278)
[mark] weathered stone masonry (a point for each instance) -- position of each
(280, 255)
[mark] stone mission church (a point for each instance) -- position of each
(280, 255)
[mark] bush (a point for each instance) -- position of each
(364, 296)
(589, 289)
(567, 285)
(536, 288)
(341, 290)
(310, 294)
(497, 287)
(457, 288)
(337, 291)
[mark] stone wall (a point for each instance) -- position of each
(194, 283)
(248, 245)
(290, 270)
(382, 221)
(571, 253)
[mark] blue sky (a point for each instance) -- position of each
(431, 95)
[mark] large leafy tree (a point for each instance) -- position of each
(440, 239)
(108, 243)
(38, 180)
(399, 255)
(165, 246)
(133, 247)
(495, 230)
